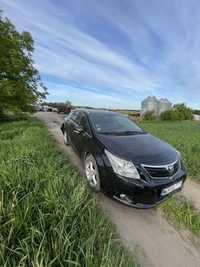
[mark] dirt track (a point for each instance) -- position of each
(144, 232)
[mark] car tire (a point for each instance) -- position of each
(92, 173)
(66, 138)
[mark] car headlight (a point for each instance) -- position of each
(122, 167)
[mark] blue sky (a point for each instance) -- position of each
(114, 53)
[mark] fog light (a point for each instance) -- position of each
(125, 198)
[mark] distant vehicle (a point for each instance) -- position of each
(49, 108)
(38, 107)
(46, 108)
(64, 109)
(54, 109)
(123, 160)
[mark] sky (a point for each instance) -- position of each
(113, 53)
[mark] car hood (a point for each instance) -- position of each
(139, 148)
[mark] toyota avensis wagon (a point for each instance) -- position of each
(123, 160)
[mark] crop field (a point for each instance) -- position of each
(48, 217)
(184, 136)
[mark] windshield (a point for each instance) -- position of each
(111, 123)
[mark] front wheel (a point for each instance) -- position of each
(92, 173)
(66, 138)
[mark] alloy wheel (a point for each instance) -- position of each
(92, 173)
(66, 138)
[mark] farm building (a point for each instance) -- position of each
(151, 103)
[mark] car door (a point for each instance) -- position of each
(85, 138)
(73, 128)
(81, 133)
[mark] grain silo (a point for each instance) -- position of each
(164, 105)
(150, 104)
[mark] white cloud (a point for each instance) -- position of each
(164, 37)
(72, 54)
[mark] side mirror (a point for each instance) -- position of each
(65, 118)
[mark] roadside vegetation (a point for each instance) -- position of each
(48, 217)
(184, 136)
(179, 112)
(182, 214)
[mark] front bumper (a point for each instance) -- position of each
(142, 194)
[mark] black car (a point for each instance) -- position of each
(123, 160)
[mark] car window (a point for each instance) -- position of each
(75, 117)
(85, 124)
(113, 123)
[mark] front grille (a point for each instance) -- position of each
(162, 171)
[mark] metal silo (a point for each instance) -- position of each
(150, 104)
(164, 105)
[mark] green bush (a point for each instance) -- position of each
(179, 112)
(184, 113)
(149, 116)
(169, 115)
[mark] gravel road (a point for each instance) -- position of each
(144, 232)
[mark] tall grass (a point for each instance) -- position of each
(47, 215)
(184, 136)
(182, 214)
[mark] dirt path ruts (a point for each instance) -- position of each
(144, 232)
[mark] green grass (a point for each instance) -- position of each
(184, 136)
(48, 217)
(182, 214)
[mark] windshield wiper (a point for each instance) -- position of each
(107, 133)
(132, 132)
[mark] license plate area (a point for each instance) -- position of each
(171, 188)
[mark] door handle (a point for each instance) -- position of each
(76, 131)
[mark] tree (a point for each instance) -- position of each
(183, 111)
(196, 111)
(20, 83)
(68, 104)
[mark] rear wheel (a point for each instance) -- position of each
(66, 138)
(92, 173)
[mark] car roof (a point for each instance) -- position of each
(92, 111)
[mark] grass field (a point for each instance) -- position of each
(184, 136)
(47, 215)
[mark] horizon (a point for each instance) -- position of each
(113, 54)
